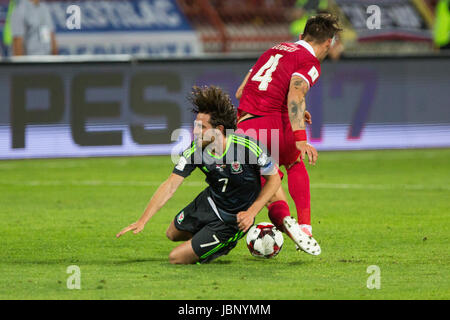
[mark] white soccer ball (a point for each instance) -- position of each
(264, 240)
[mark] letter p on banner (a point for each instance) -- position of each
(74, 280)
(374, 280)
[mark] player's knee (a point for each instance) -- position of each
(170, 235)
(176, 258)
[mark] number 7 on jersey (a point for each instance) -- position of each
(267, 69)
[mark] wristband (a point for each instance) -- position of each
(300, 135)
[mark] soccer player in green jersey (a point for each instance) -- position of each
(220, 215)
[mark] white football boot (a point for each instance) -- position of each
(301, 238)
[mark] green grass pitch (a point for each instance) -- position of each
(385, 208)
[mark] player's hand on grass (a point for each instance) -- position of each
(245, 220)
(308, 118)
(307, 149)
(135, 227)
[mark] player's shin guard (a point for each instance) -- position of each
(298, 183)
(277, 211)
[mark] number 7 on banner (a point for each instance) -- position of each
(267, 69)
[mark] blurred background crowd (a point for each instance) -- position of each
(201, 27)
(110, 77)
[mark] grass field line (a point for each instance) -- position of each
(107, 183)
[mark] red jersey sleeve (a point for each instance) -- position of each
(309, 71)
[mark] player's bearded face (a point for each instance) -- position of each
(204, 132)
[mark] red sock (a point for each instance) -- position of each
(298, 183)
(277, 211)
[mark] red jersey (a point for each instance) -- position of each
(268, 85)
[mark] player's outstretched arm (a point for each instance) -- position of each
(165, 191)
(245, 218)
(241, 87)
(297, 108)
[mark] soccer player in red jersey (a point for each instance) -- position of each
(272, 97)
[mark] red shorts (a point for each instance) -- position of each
(275, 132)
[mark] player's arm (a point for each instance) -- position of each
(296, 108)
(165, 191)
(17, 47)
(54, 44)
(296, 103)
(241, 87)
(18, 30)
(245, 218)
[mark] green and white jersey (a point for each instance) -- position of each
(234, 178)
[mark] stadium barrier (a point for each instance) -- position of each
(138, 27)
(123, 105)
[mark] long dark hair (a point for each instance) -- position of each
(214, 101)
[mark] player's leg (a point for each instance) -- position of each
(302, 240)
(206, 245)
(298, 178)
(278, 208)
(211, 238)
(281, 218)
(299, 189)
(173, 234)
(298, 183)
(183, 254)
(215, 240)
(256, 127)
(188, 221)
(178, 231)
